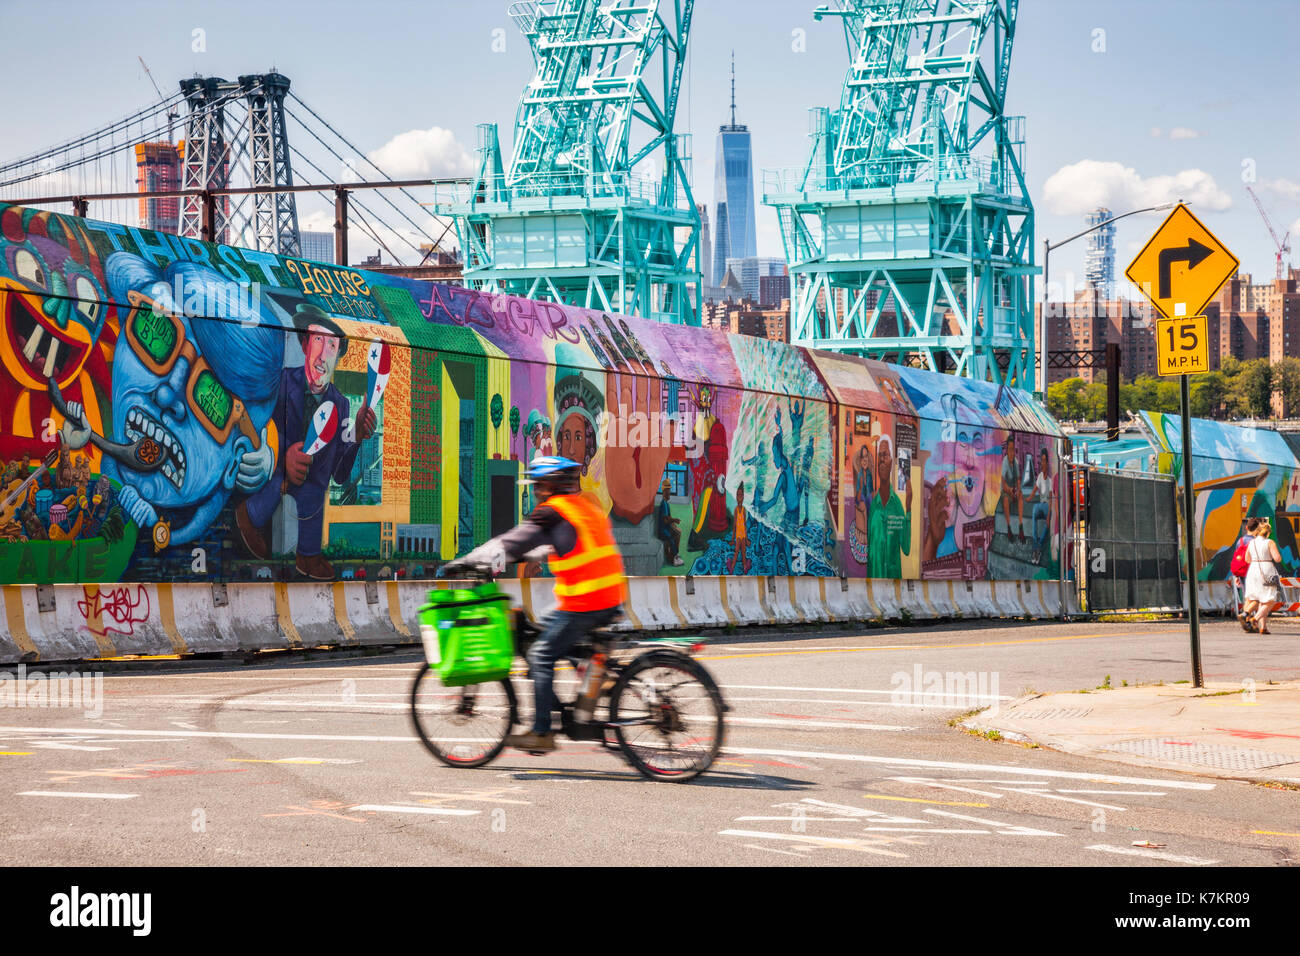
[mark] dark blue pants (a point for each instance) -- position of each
(310, 497)
(560, 632)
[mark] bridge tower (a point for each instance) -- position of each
(259, 139)
(909, 233)
(595, 209)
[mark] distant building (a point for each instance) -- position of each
(706, 247)
(158, 169)
(317, 246)
(772, 289)
(1246, 321)
(734, 233)
(749, 269)
(1099, 255)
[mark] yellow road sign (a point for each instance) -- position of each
(1183, 345)
(1182, 265)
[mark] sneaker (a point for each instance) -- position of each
(678, 562)
(532, 742)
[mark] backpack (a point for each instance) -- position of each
(1240, 566)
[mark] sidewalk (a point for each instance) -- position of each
(1219, 730)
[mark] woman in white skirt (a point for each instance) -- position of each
(1262, 579)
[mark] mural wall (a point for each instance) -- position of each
(176, 410)
(1239, 473)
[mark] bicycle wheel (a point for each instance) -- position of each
(462, 726)
(666, 712)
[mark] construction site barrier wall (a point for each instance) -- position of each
(87, 622)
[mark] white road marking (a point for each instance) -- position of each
(441, 811)
(944, 786)
(854, 703)
(784, 722)
(837, 843)
(956, 765)
(229, 735)
(59, 745)
(804, 850)
(1051, 796)
(796, 819)
(922, 830)
(1118, 793)
(863, 690)
(1003, 829)
(1151, 854)
(67, 793)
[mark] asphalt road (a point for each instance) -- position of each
(835, 754)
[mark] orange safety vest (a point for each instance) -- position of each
(590, 577)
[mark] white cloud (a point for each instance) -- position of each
(1295, 228)
(423, 154)
(1283, 187)
(1083, 186)
(1183, 132)
(1157, 132)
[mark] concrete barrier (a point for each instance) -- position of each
(97, 621)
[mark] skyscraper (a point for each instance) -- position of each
(734, 235)
(706, 246)
(1099, 255)
(158, 169)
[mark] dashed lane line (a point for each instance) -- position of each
(957, 765)
(88, 796)
(1151, 854)
(926, 647)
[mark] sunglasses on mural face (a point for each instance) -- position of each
(158, 339)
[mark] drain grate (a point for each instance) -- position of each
(1050, 713)
(1207, 755)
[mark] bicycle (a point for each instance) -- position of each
(664, 709)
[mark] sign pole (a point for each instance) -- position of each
(1189, 526)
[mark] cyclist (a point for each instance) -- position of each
(590, 584)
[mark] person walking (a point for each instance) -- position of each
(1262, 581)
(1239, 569)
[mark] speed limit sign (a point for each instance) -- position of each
(1182, 345)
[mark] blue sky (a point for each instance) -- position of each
(1175, 97)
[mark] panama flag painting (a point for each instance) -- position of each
(324, 423)
(376, 373)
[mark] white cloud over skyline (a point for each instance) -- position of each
(423, 154)
(1083, 186)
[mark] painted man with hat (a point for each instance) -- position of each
(306, 477)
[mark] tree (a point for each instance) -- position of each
(1286, 379)
(1252, 391)
(1207, 393)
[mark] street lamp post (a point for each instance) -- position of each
(1048, 246)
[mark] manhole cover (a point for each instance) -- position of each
(1050, 713)
(1207, 755)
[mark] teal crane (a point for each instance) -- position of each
(909, 233)
(595, 208)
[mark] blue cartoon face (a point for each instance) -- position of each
(197, 389)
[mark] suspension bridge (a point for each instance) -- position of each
(908, 232)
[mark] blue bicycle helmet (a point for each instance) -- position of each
(552, 469)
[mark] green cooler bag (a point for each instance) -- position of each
(467, 634)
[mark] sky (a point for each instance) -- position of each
(1127, 103)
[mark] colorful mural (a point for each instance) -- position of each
(1239, 473)
(176, 410)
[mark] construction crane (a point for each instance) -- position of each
(172, 115)
(1280, 244)
(595, 208)
(909, 232)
